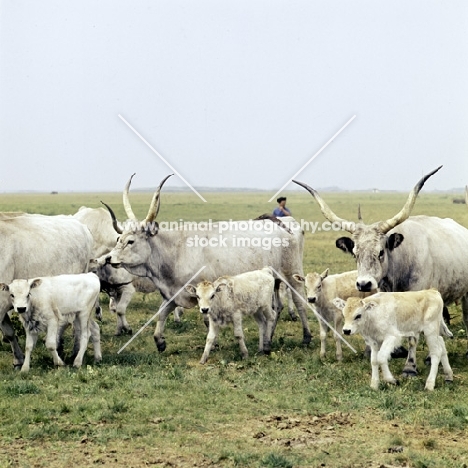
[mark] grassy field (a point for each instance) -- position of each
(291, 409)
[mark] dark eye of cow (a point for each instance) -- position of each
(358, 316)
(12, 296)
(212, 296)
(130, 242)
(381, 254)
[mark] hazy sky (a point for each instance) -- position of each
(232, 93)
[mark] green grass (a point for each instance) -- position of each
(290, 409)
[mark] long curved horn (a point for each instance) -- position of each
(466, 194)
(359, 217)
(404, 213)
(155, 202)
(326, 211)
(114, 219)
(126, 200)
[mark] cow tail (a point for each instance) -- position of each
(444, 331)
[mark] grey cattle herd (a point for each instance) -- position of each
(409, 268)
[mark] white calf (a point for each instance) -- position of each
(385, 318)
(321, 289)
(52, 303)
(228, 298)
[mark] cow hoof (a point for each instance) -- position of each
(307, 339)
(161, 345)
(409, 373)
(17, 367)
(399, 353)
(427, 361)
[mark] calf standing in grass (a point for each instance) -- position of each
(228, 298)
(321, 289)
(52, 303)
(385, 318)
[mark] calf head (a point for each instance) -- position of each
(205, 292)
(20, 295)
(354, 313)
(370, 244)
(313, 284)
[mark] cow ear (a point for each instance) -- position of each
(325, 274)
(298, 278)
(151, 229)
(191, 290)
(4, 287)
(35, 283)
(370, 305)
(346, 244)
(220, 287)
(339, 303)
(394, 240)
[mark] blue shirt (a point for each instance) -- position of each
(278, 213)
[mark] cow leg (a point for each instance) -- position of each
(383, 357)
(410, 369)
(123, 297)
(291, 311)
(98, 310)
(83, 318)
(448, 373)
(178, 312)
(299, 301)
(323, 338)
(435, 351)
(374, 350)
(269, 316)
(62, 326)
(112, 304)
(31, 339)
(213, 331)
(95, 334)
(339, 329)
(277, 305)
(164, 310)
(51, 342)
(464, 302)
(239, 334)
(9, 337)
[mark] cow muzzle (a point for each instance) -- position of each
(311, 300)
(346, 331)
(364, 286)
(21, 310)
(204, 310)
(112, 264)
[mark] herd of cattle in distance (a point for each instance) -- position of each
(409, 268)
